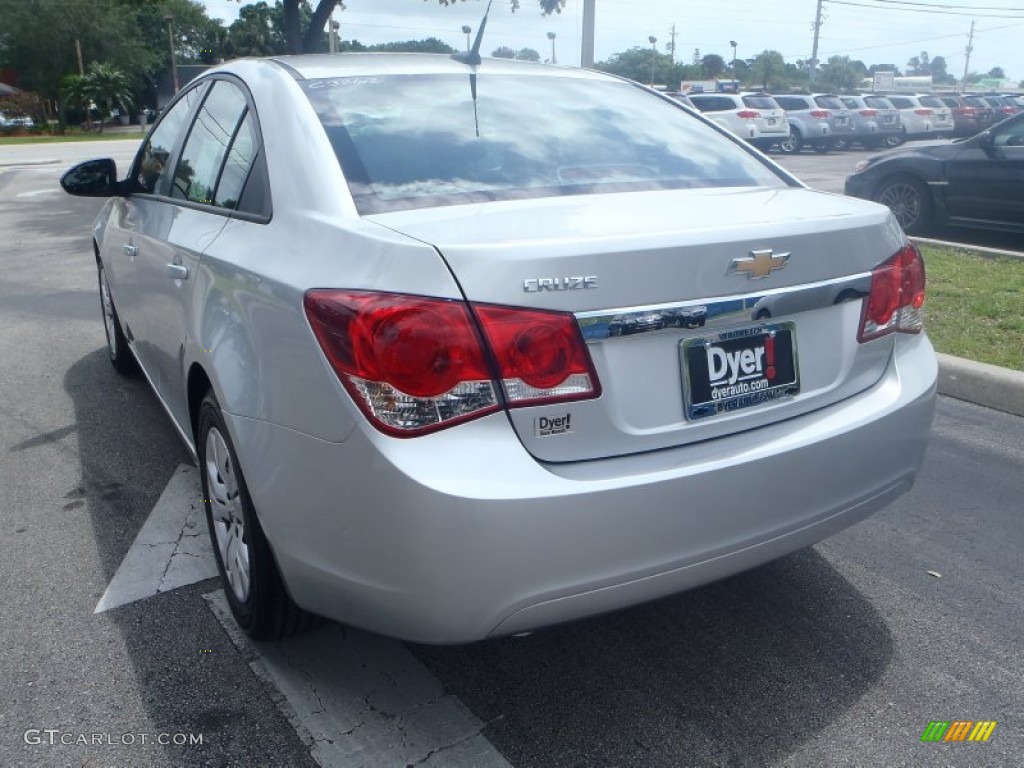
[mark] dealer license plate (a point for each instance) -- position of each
(739, 369)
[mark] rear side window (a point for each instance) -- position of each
(901, 103)
(851, 103)
(931, 101)
(792, 103)
(760, 102)
(416, 141)
(878, 102)
(828, 102)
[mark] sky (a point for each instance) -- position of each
(874, 31)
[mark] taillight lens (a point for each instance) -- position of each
(895, 301)
(541, 356)
(869, 113)
(821, 114)
(748, 114)
(923, 112)
(415, 364)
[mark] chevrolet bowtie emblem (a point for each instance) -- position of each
(758, 264)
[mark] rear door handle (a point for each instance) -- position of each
(129, 250)
(177, 271)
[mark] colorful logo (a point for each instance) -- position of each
(958, 730)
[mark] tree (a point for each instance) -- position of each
(109, 87)
(996, 73)
(712, 65)
(842, 75)
(937, 69)
(769, 70)
(636, 65)
(305, 36)
(919, 65)
(428, 45)
(527, 54)
(504, 52)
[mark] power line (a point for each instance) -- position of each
(921, 10)
(952, 7)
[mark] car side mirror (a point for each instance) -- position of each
(93, 178)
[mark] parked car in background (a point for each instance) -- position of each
(1002, 106)
(809, 124)
(876, 121)
(19, 121)
(923, 117)
(971, 114)
(377, 295)
(754, 117)
(974, 182)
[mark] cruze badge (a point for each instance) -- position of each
(758, 264)
(580, 283)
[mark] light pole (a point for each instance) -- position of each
(551, 37)
(654, 53)
(169, 18)
(467, 30)
(333, 37)
(733, 44)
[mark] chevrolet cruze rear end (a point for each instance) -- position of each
(520, 344)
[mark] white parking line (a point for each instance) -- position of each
(362, 700)
(171, 550)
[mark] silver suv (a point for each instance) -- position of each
(755, 117)
(817, 119)
(875, 121)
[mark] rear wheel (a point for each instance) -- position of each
(909, 201)
(895, 139)
(252, 582)
(117, 345)
(792, 144)
(840, 144)
(822, 147)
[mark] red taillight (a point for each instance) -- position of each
(968, 111)
(414, 364)
(748, 114)
(821, 114)
(541, 355)
(869, 113)
(896, 297)
(923, 112)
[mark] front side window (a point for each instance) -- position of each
(215, 126)
(414, 141)
(1010, 135)
(152, 167)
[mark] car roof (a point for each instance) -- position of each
(325, 65)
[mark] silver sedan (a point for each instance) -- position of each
(378, 296)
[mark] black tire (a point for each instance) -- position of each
(259, 601)
(840, 144)
(793, 144)
(822, 147)
(909, 200)
(118, 351)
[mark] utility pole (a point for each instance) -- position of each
(587, 46)
(967, 58)
(78, 53)
(170, 41)
(332, 37)
(672, 44)
(814, 47)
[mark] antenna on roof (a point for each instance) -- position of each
(472, 56)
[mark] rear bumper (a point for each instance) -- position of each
(461, 535)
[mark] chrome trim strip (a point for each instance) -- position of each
(722, 311)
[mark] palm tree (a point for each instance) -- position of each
(109, 87)
(74, 92)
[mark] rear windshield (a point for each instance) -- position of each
(791, 103)
(416, 141)
(901, 103)
(974, 101)
(760, 102)
(829, 102)
(877, 102)
(931, 101)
